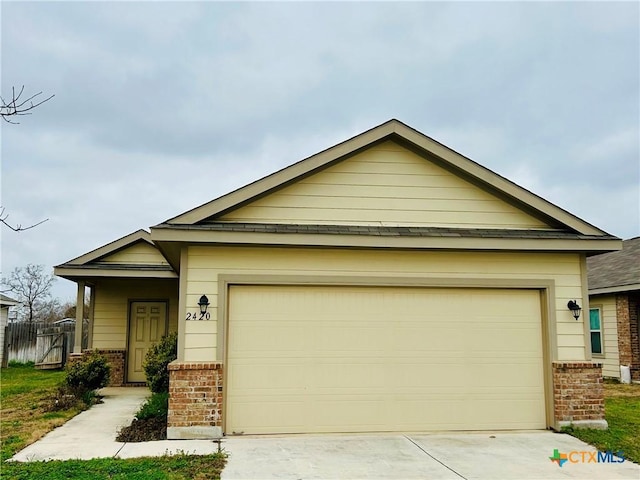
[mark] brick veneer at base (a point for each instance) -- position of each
(578, 395)
(195, 400)
(115, 358)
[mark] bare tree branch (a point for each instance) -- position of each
(18, 106)
(18, 227)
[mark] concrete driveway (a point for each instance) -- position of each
(495, 456)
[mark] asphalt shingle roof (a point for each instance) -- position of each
(615, 269)
(380, 230)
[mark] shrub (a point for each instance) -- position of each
(150, 423)
(156, 361)
(156, 406)
(86, 375)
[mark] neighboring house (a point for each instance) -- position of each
(5, 304)
(614, 297)
(387, 283)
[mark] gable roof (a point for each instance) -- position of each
(90, 263)
(412, 139)
(615, 271)
(112, 247)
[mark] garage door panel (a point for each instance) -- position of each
(357, 359)
(348, 339)
(348, 414)
(266, 417)
(258, 339)
(350, 376)
(258, 379)
(418, 337)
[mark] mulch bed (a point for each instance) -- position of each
(146, 430)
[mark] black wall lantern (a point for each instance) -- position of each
(575, 308)
(203, 303)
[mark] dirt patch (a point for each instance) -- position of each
(146, 430)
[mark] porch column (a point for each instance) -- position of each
(77, 347)
(92, 309)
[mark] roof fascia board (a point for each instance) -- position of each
(112, 247)
(616, 289)
(284, 176)
(364, 241)
(71, 272)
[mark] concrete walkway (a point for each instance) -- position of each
(92, 434)
(470, 456)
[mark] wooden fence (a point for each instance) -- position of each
(42, 343)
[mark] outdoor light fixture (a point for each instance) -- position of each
(575, 308)
(204, 303)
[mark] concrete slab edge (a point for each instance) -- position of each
(194, 433)
(595, 424)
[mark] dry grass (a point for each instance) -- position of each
(617, 390)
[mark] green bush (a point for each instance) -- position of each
(156, 406)
(86, 375)
(156, 361)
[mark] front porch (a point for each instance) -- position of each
(132, 293)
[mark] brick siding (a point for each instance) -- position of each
(116, 361)
(195, 394)
(578, 393)
(624, 332)
(634, 333)
(628, 332)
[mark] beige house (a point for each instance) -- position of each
(385, 284)
(614, 300)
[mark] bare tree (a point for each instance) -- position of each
(15, 107)
(32, 286)
(19, 105)
(18, 228)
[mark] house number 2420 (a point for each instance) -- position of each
(199, 316)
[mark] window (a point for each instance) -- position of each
(595, 326)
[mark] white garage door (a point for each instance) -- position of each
(380, 359)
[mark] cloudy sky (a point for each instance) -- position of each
(160, 106)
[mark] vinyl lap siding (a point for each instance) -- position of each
(386, 185)
(137, 254)
(206, 263)
(112, 308)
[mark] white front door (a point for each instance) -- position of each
(147, 325)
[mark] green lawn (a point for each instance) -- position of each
(622, 408)
(24, 395)
(178, 467)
